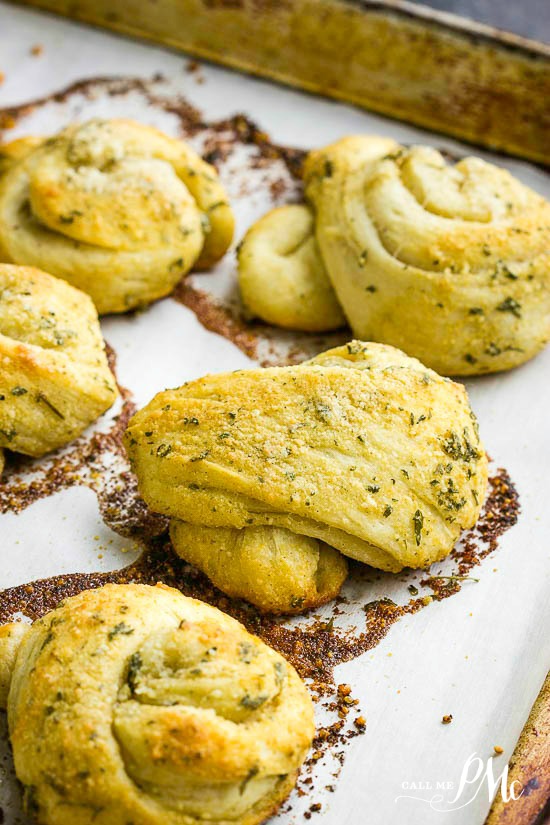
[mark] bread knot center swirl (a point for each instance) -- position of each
(437, 217)
(95, 189)
(147, 706)
(194, 713)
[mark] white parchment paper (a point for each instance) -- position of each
(481, 655)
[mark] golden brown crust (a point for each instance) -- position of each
(134, 703)
(362, 448)
(275, 569)
(117, 208)
(55, 379)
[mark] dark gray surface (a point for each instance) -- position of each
(530, 18)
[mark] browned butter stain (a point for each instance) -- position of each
(315, 647)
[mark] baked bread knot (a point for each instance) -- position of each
(281, 274)
(449, 262)
(133, 703)
(116, 208)
(362, 448)
(273, 568)
(55, 379)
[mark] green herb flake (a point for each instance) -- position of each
(510, 305)
(250, 775)
(200, 456)
(163, 450)
(120, 629)
(134, 666)
(450, 498)
(253, 702)
(355, 348)
(323, 411)
(418, 520)
(379, 603)
(460, 449)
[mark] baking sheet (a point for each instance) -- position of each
(481, 655)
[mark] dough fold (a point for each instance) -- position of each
(133, 703)
(54, 375)
(362, 448)
(277, 570)
(281, 273)
(116, 208)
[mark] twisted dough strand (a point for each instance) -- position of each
(54, 375)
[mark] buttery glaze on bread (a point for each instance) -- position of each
(137, 704)
(451, 263)
(54, 378)
(281, 273)
(362, 448)
(277, 570)
(116, 208)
